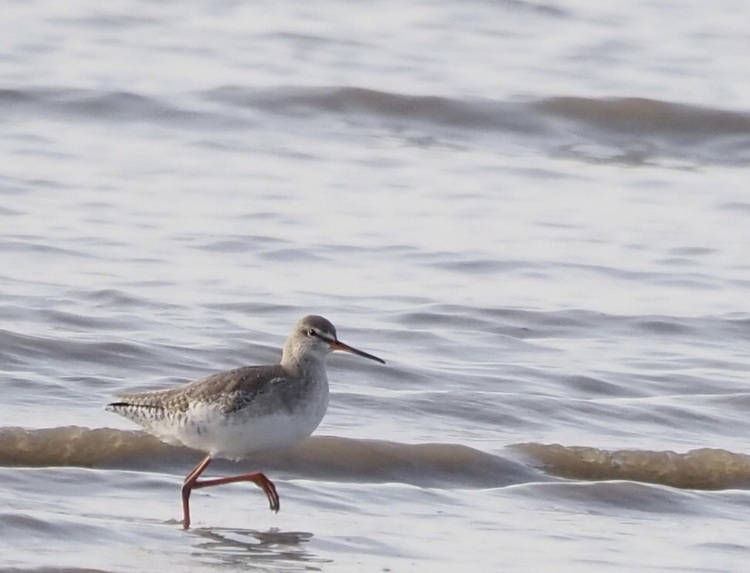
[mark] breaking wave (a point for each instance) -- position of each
(343, 459)
(628, 130)
(704, 469)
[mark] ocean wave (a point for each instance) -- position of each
(701, 469)
(648, 116)
(74, 104)
(629, 129)
(338, 459)
(624, 114)
(20, 348)
(355, 101)
(624, 129)
(427, 465)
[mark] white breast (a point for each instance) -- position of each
(205, 427)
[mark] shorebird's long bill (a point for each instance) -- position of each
(336, 345)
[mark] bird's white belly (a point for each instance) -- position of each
(204, 427)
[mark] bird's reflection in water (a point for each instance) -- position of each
(256, 549)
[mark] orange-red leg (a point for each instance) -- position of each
(191, 483)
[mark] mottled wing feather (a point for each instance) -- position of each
(231, 390)
(237, 389)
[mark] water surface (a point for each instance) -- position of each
(536, 213)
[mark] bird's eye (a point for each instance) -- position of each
(311, 332)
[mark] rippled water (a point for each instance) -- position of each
(537, 213)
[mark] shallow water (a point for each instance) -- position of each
(536, 213)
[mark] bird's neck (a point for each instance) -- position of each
(305, 367)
